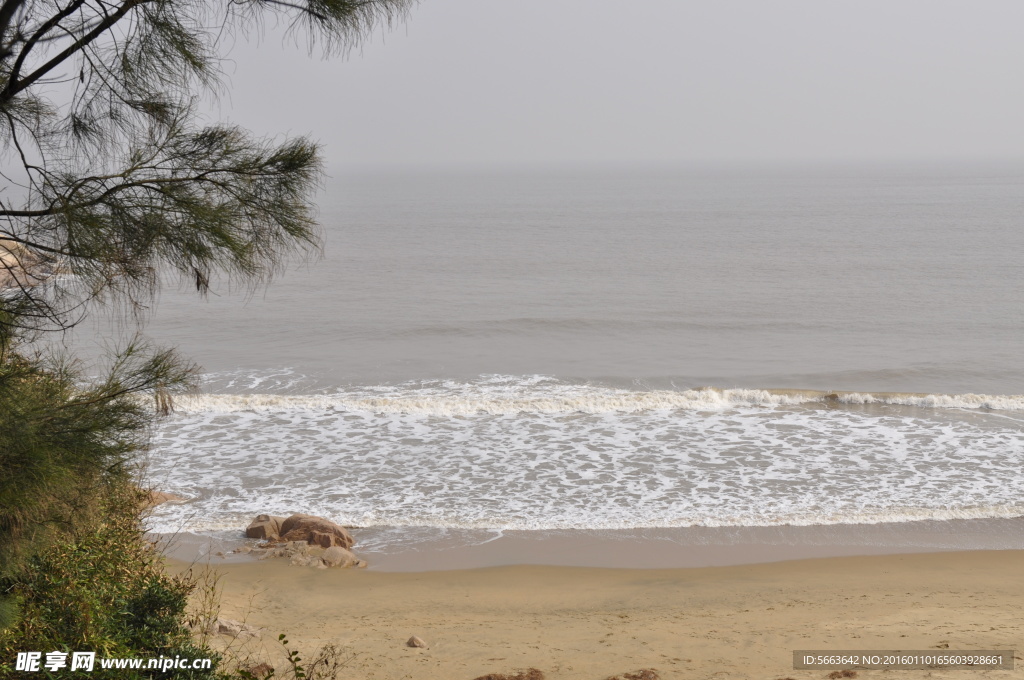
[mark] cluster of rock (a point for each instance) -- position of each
(306, 540)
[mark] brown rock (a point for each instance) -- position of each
(339, 557)
(415, 642)
(315, 530)
(322, 539)
(300, 560)
(265, 527)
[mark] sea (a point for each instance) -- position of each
(636, 350)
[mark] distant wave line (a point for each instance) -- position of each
(593, 401)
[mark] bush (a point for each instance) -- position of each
(64, 442)
(76, 574)
(106, 592)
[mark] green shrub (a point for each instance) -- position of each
(106, 592)
(65, 441)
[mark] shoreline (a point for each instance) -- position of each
(421, 549)
(590, 623)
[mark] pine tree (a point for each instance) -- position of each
(111, 184)
(110, 177)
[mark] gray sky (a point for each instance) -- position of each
(482, 81)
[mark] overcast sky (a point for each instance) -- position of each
(483, 81)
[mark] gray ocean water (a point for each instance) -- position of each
(617, 348)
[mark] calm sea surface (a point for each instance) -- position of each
(618, 348)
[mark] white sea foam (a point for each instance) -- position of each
(753, 458)
(448, 398)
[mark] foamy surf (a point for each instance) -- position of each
(535, 453)
(164, 520)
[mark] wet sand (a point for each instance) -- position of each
(416, 549)
(591, 623)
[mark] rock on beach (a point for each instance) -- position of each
(265, 527)
(337, 556)
(315, 531)
(306, 540)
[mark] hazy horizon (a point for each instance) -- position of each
(478, 83)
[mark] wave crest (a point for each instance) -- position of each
(531, 398)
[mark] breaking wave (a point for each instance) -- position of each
(463, 399)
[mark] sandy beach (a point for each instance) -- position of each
(592, 623)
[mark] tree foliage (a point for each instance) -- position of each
(62, 440)
(75, 597)
(112, 179)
